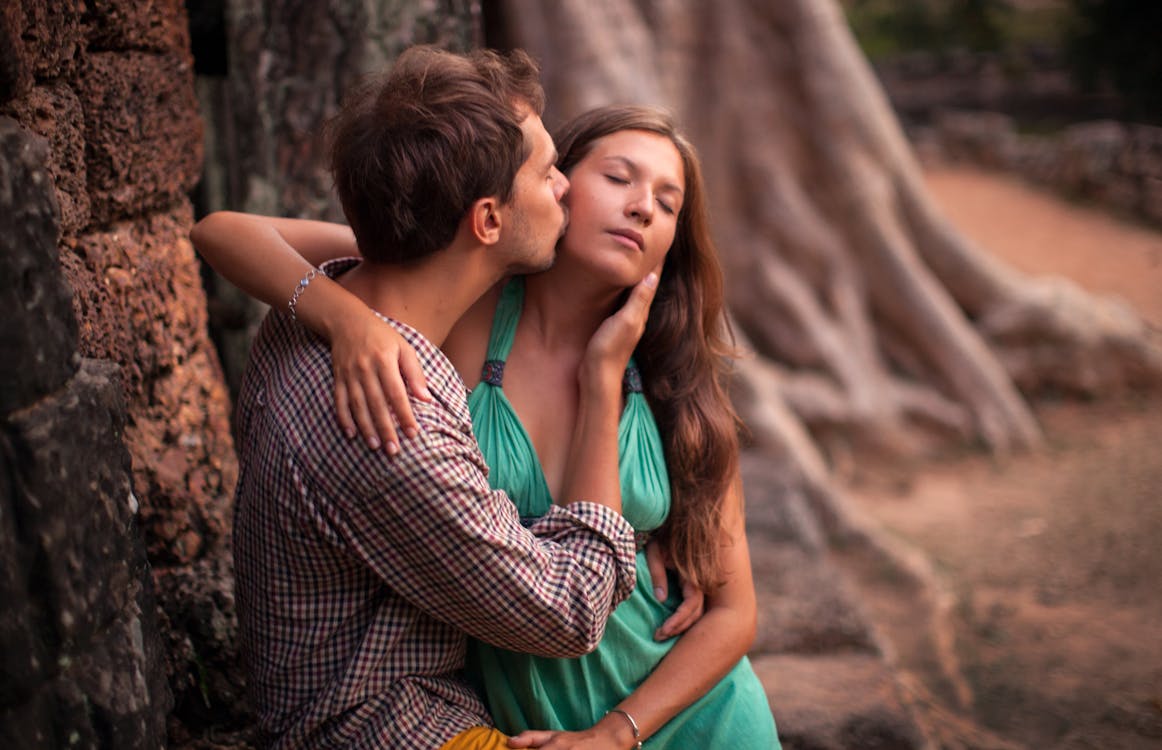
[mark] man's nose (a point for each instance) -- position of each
(562, 184)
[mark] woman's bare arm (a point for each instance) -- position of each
(698, 660)
(267, 257)
(591, 468)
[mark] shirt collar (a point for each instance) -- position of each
(443, 380)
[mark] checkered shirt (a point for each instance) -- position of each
(359, 575)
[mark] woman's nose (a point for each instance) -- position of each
(642, 209)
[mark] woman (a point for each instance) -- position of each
(636, 204)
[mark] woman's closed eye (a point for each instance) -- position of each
(619, 180)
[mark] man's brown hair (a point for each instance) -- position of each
(414, 148)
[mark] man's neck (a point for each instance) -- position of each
(430, 297)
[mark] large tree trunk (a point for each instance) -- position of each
(872, 323)
(873, 320)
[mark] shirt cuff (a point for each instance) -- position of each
(609, 526)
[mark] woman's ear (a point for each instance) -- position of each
(486, 220)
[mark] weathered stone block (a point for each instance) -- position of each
(23, 658)
(140, 304)
(206, 672)
(74, 501)
(158, 26)
(39, 336)
(54, 112)
(72, 555)
(188, 480)
(114, 676)
(1145, 157)
(138, 296)
(806, 607)
(1090, 150)
(777, 510)
(837, 702)
(1118, 192)
(53, 718)
(142, 132)
(39, 40)
(15, 67)
(982, 137)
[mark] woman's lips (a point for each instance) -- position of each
(629, 236)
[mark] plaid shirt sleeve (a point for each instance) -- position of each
(437, 534)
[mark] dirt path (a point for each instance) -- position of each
(1053, 561)
(1038, 233)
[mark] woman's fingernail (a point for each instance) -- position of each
(373, 442)
(392, 449)
(411, 433)
(350, 433)
(651, 279)
(659, 593)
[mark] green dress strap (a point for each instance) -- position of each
(508, 308)
(512, 459)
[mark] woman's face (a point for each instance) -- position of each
(623, 202)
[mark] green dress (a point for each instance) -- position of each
(531, 692)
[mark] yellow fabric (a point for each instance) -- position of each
(478, 738)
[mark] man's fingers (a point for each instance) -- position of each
(689, 612)
(691, 609)
(679, 622)
(530, 738)
(656, 562)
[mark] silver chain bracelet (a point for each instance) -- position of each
(304, 282)
(637, 735)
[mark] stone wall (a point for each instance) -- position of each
(82, 654)
(118, 459)
(1032, 83)
(129, 452)
(1024, 113)
(1115, 165)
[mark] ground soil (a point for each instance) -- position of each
(1050, 563)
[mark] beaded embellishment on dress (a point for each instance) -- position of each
(631, 382)
(493, 372)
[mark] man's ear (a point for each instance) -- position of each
(486, 218)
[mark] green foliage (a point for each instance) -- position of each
(888, 27)
(885, 28)
(1118, 44)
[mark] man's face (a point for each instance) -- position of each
(538, 217)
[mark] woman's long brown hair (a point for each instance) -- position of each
(682, 354)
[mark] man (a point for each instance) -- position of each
(360, 572)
